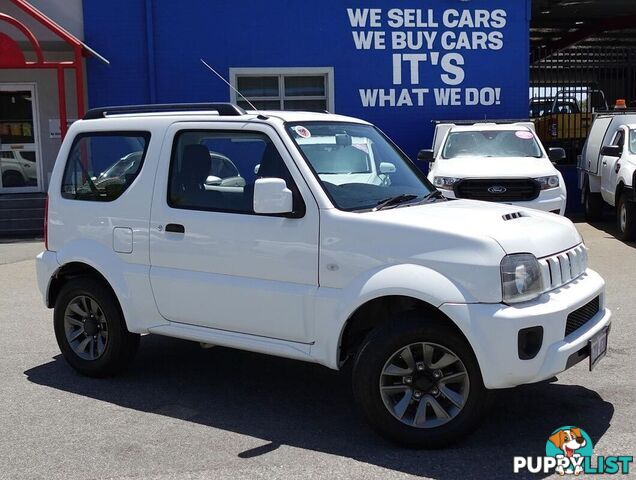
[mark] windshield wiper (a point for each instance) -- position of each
(393, 201)
(432, 195)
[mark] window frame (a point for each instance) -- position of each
(145, 134)
(282, 73)
(299, 213)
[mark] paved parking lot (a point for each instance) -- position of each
(187, 413)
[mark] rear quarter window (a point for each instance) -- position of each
(102, 165)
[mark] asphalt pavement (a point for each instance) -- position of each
(182, 412)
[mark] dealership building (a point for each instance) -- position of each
(400, 65)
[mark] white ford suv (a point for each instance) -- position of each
(436, 302)
(497, 163)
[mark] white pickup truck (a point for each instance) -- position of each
(333, 248)
(607, 170)
(496, 162)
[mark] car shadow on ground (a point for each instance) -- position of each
(286, 402)
(608, 225)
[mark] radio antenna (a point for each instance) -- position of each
(260, 115)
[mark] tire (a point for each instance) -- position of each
(87, 307)
(626, 219)
(381, 410)
(592, 205)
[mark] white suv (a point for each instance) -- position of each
(435, 302)
(498, 163)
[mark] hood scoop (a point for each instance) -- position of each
(512, 216)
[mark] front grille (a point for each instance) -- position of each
(498, 190)
(581, 316)
(563, 267)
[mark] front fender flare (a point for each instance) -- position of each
(334, 307)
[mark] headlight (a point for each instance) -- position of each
(520, 278)
(445, 183)
(548, 182)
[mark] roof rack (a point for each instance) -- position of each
(483, 120)
(223, 109)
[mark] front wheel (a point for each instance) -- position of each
(626, 219)
(418, 383)
(90, 329)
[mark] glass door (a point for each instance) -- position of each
(19, 142)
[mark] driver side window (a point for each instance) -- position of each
(216, 170)
(619, 139)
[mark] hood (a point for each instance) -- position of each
(494, 167)
(539, 233)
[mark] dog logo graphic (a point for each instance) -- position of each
(570, 446)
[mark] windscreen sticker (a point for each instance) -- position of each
(302, 131)
(524, 135)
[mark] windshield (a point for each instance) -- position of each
(358, 166)
(491, 143)
(540, 108)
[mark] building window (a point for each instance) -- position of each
(284, 88)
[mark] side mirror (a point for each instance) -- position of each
(387, 167)
(213, 180)
(233, 182)
(556, 154)
(426, 155)
(271, 196)
(611, 151)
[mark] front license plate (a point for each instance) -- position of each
(598, 347)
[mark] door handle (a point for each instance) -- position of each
(175, 228)
(604, 162)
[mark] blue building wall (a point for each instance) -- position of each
(154, 47)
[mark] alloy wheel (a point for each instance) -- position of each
(424, 385)
(86, 328)
(623, 217)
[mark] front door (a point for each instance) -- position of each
(216, 264)
(19, 142)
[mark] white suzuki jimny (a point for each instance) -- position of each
(325, 244)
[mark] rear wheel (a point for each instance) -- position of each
(626, 219)
(418, 383)
(593, 205)
(90, 329)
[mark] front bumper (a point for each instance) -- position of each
(492, 330)
(46, 265)
(553, 200)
